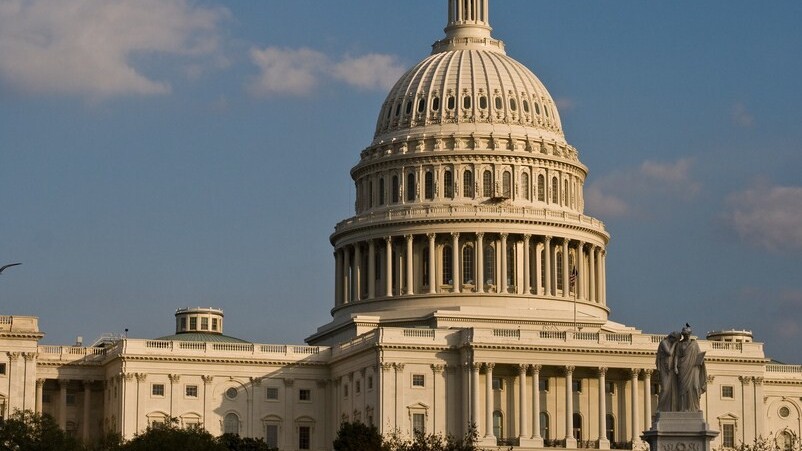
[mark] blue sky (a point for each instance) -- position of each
(159, 154)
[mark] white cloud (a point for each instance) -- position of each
(85, 47)
(300, 71)
(565, 104)
(373, 71)
(768, 216)
(741, 116)
(637, 189)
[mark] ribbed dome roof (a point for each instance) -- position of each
(468, 83)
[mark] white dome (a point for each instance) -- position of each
(468, 83)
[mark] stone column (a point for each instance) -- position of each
(338, 277)
(489, 401)
(603, 277)
(87, 386)
(636, 422)
(570, 441)
(384, 411)
(432, 271)
(357, 273)
(371, 269)
(475, 366)
(347, 280)
(399, 387)
(388, 270)
(647, 401)
(502, 279)
(62, 404)
(523, 412)
(480, 262)
(455, 274)
(527, 266)
(537, 440)
(410, 286)
(580, 265)
(538, 263)
(592, 274)
(39, 389)
(604, 442)
(566, 271)
(547, 251)
(760, 419)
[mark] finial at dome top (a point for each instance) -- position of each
(468, 28)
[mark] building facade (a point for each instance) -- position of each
(469, 290)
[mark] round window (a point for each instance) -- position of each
(231, 393)
(785, 411)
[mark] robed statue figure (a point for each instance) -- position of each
(691, 372)
(683, 376)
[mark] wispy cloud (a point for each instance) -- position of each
(767, 216)
(299, 71)
(741, 116)
(634, 190)
(565, 104)
(86, 47)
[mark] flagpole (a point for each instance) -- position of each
(574, 278)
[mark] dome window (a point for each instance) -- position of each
(421, 105)
(483, 102)
(451, 102)
(466, 102)
(467, 184)
(381, 191)
(537, 108)
(448, 185)
(410, 187)
(546, 109)
(389, 111)
(428, 183)
(513, 105)
(499, 103)
(436, 104)
(526, 105)
(487, 184)
(408, 108)
(397, 110)
(395, 190)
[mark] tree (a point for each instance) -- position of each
(357, 436)
(30, 431)
(169, 436)
(234, 442)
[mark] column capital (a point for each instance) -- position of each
(527, 236)
(475, 366)
(409, 237)
(523, 368)
(437, 368)
(745, 380)
(536, 368)
(207, 379)
(503, 235)
(174, 377)
(480, 234)
(40, 382)
(386, 366)
(647, 373)
(127, 376)
(601, 371)
(489, 366)
(569, 370)
(255, 380)
(140, 377)
(388, 239)
(431, 236)
(28, 355)
(289, 382)
(87, 384)
(399, 367)
(548, 238)
(757, 380)
(454, 234)
(634, 373)
(13, 356)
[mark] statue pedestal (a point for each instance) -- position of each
(679, 431)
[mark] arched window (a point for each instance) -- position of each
(467, 265)
(396, 189)
(411, 187)
(370, 194)
(487, 184)
(565, 192)
(467, 184)
(537, 108)
(421, 104)
(498, 424)
(525, 185)
(610, 430)
(559, 257)
(544, 426)
(448, 184)
(541, 188)
(448, 278)
(490, 265)
(506, 183)
(510, 266)
(555, 191)
(381, 191)
(436, 104)
(425, 266)
(429, 185)
(231, 424)
(466, 102)
(577, 426)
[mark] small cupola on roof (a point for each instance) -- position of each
(468, 28)
(199, 319)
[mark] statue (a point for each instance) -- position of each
(683, 377)
(691, 372)
(667, 368)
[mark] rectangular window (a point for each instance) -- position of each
(304, 436)
(544, 385)
(304, 394)
(498, 383)
(157, 390)
(419, 423)
(204, 323)
(726, 391)
(2, 368)
(271, 435)
(576, 386)
(214, 324)
(345, 390)
(183, 324)
(609, 388)
(418, 380)
(70, 399)
(728, 435)
(193, 323)
(370, 382)
(191, 391)
(272, 393)
(358, 386)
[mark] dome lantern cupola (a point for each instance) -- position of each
(468, 28)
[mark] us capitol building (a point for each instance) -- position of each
(469, 289)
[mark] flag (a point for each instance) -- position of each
(574, 275)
